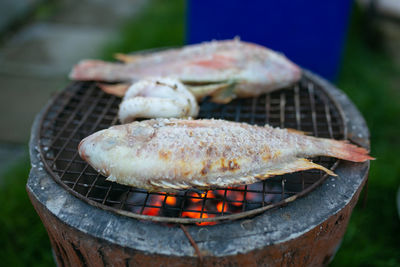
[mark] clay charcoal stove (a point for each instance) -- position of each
(293, 219)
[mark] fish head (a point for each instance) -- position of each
(274, 71)
(114, 144)
(96, 148)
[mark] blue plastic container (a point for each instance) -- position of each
(309, 32)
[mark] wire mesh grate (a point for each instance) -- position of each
(82, 109)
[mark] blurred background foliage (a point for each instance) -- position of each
(371, 78)
(369, 75)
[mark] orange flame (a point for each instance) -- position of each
(196, 207)
(221, 207)
(236, 197)
(220, 192)
(195, 212)
(151, 211)
(195, 197)
(170, 200)
(155, 200)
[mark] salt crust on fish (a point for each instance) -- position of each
(173, 154)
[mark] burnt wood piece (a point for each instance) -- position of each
(305, 232)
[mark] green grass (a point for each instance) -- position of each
(372, 81)
(161, 24)
(368, 76)
(23, 239)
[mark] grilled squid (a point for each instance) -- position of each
(157, 98)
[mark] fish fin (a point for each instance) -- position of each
(166, 186)
(295, 131)
(200, 91)
(111, 178)
(300, 164)
(345, 150)
(126, 58)
(118, 89)
(224, 94)
(88, 70)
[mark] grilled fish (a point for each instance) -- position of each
(157, 98)
(173, 154)
(222, 69)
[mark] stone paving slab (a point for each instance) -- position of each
(22, 98)
(46, 50)
(36, 60)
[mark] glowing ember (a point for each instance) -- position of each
(195, 197)
(194, 211)
(151, 211)
(155, 201)
(170, 200)
(221, 207)
(235, 197)
(206, 204)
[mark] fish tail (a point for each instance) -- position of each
(118, 89)
(345, 150)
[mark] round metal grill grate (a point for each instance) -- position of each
(82, 109)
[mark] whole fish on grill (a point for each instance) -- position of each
(173, 154)
(222, 69)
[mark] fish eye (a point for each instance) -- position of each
(142, 133)
(109, 143)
